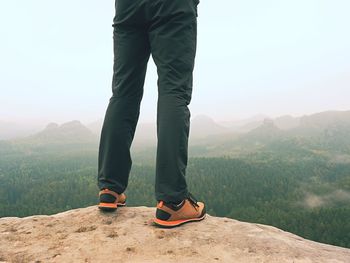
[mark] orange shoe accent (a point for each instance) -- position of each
(108, 205)
(160, 204)
(176, 222)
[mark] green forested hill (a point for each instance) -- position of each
(309, 197)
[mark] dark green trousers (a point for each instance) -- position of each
(167, 30)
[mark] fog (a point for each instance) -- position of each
(332, 198)
(253, 57)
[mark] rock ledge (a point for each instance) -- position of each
(88, 235)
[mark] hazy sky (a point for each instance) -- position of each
(273, 57)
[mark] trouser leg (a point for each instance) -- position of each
(173, 47)
(131, 54)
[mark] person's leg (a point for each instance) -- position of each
(173, 33)
(131, 54)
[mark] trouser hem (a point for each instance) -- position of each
(110, 187)
(176, 198)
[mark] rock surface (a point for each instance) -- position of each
(128, 235)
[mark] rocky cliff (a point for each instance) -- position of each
(128, 235)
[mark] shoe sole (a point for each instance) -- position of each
(170, 224)
(110, 206)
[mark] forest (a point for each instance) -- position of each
(306, 196)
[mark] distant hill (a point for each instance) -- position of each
(202, 126)
(95, 126)
(326, 134)
(66, 133)
(316, 133)
(326, 130)
(266, 132)
(287, 122)
(320, 122)
(244, 125)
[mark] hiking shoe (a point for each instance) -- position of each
(171, 215)
(110, 200)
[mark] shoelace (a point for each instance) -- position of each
(192, 200)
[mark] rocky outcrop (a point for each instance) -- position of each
(128, 235)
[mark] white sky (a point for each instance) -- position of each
(273, 57)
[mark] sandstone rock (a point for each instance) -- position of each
(128, 235)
